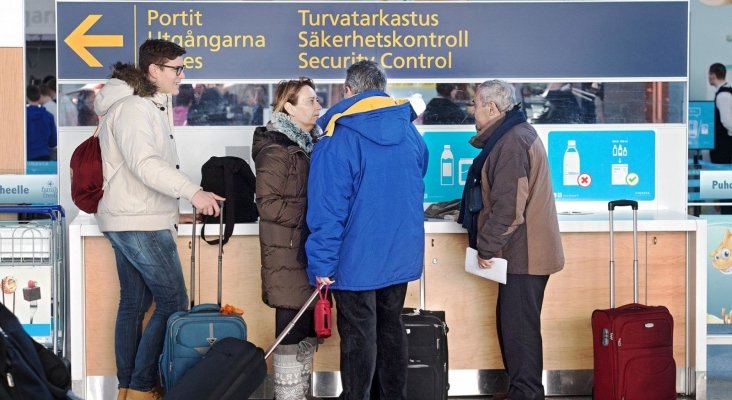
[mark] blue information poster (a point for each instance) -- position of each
(701, 125)
(450, 158)
(602, 165)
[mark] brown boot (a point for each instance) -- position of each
(133, 394)
(122, 394)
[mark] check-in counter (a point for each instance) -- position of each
(671, 250)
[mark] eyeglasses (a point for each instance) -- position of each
(178, 70)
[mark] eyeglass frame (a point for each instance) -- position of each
(178, 69)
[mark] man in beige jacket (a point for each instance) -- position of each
(139, 210)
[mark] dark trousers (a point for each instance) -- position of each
(518, 319)
(373, 342)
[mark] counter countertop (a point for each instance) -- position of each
(661, 220)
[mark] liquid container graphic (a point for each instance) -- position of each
(447, 167)
(571, 169)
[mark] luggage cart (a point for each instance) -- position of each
(33, 272)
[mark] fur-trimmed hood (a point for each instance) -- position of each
(126, 80)
(134, 77)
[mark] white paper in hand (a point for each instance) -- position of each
(496, 273)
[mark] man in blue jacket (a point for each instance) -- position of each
(365, 214)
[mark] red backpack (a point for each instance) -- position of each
(87, 178)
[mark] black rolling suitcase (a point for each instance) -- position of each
(232, 370)
(427, 371)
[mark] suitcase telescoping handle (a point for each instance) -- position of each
(220, 257)
(422, 288)
(611, 208)
(292, 323)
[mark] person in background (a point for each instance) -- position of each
(183, 102)
(48, 96)
(561, 105)
(722, 152)
(68, 115)
(50, 81)
(209, 109)
(281, 152)
(41, 137)
(85, 108)
(442, 110)
(518, 222)
(366, 219)
(254, 102)
(139, 211)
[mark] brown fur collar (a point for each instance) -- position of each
(134, 77)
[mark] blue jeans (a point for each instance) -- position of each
(149, 269)
(373, 342)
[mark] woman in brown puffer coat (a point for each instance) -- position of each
(281, 152)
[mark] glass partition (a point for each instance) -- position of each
(438, 103)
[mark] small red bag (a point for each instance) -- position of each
(87, 177)
(323, 315)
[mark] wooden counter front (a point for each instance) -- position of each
(469, 301)
(570, 297)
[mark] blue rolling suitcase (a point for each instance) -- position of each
(232, 370)
(191, 334)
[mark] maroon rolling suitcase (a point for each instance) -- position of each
(632, 344)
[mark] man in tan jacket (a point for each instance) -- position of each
(518, 222)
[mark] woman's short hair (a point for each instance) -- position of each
(287, 91)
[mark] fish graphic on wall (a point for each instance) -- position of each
(721, 256)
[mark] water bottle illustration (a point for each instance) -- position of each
(447, 167)
(571, 164)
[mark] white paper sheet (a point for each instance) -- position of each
(496, 273)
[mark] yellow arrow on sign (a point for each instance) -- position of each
(78, 40)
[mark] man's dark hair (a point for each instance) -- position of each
(365, 75)
(50, 81)
(157, 51)
(444, 89)
(45, 90)
(718, 70)
(33, 93)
